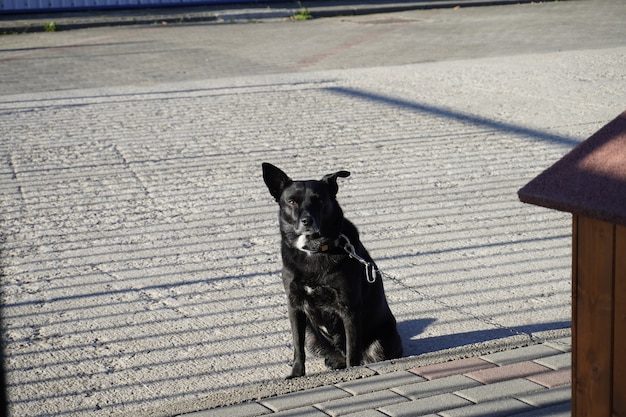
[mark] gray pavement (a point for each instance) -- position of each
(140, 262)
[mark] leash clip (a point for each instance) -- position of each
(370, 269)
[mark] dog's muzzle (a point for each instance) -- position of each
(307, 225)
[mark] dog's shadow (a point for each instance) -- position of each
(409, 330)
(414, 344)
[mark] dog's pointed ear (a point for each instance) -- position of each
(275, 179)
(331, 180)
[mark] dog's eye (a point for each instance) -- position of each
(292, 202)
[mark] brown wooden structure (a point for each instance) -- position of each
(590, 182)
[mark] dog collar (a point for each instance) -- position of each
(326, 247)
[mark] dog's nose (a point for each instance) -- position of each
(306, 220)
(307, 224)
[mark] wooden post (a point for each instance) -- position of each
(619, 324)
(592, 309)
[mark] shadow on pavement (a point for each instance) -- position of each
(410, 329)
(455, 115)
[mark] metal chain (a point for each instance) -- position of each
(371, 272)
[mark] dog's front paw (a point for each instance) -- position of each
(335, 361)
(296, 371)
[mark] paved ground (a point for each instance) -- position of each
(529, 381)
(139, 245)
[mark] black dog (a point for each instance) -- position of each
(335, 291)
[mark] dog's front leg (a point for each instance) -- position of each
(297, 318)
(352, 325)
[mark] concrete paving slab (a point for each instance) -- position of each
(301, 411)
(527, 353)
(361, 402)
(553, 379)
(366, 413)
(564, 344)
(547, 398)
(425, 405)
(302, 398)
(523, 369)
(505, 407)
(460, 366)
(436, 387)
(380, 382)
(499, 390)
(560, 410)
(556, 362)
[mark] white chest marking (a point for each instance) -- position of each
(301, 242)
(308, 289)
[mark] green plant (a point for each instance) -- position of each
(50, 27)
(303, 14)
